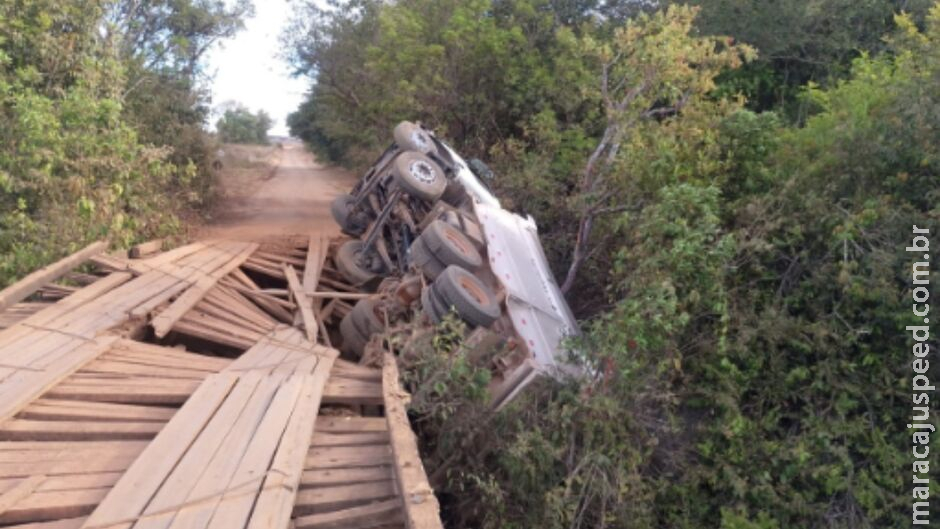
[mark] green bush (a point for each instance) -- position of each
(100, 128)
(744, 291)
(240, 125)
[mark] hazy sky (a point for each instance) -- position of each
(247, 68)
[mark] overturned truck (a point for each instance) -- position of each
(429, 238)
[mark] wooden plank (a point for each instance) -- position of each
(70, 451)
(266, 270)
(46, 446)
(19, 492)
(173, 357)
(49, 506)
(321, 439)
(351, 424)
(316, 256)
(25, 429)
(237, 503)
(212, 335)
(25, 386)
(366, 516)
(70, 523)
(52, 409)
(273, 508)
(107, 463)
(344, 476)
(177, 254)
(25, 287)
(421, 508)
(335, 497)
(64, 306)
(349, 391)
(220, 471)
(144, 249)
(137, 486)
(340, 295)
(122, 394)
(306, 311)
(348, 456)
(164, 321)
(117, 367)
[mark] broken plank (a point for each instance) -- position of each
(164, 321)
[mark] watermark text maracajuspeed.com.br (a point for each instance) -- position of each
(921, 425)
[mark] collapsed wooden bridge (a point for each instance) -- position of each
(198, 388)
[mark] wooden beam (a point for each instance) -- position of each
(420, 505)
(145, 248)
(23, 288)
(303, 302)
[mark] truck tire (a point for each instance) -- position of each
(410, 137)
(425, 261)
(347, 262)
(474, 302)
(353, 342)
(419, 176)
(340, 210)
(430, 305)
(469, 227)
(450, 246)
(366, 321)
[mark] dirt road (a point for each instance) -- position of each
(295, 200)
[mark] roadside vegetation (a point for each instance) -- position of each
(724, 190)
(241, 125)
(102, 111)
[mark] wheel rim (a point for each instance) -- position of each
(459, 242)
(422, 172)
(470, 287)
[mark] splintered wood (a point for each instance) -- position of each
(100, 430)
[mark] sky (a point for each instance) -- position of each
(247, 68)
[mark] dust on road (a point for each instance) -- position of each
(295, 200)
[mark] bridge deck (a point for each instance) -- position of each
(176, 391)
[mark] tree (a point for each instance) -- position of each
(240, 125)
(800, 41)
(652, 70)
